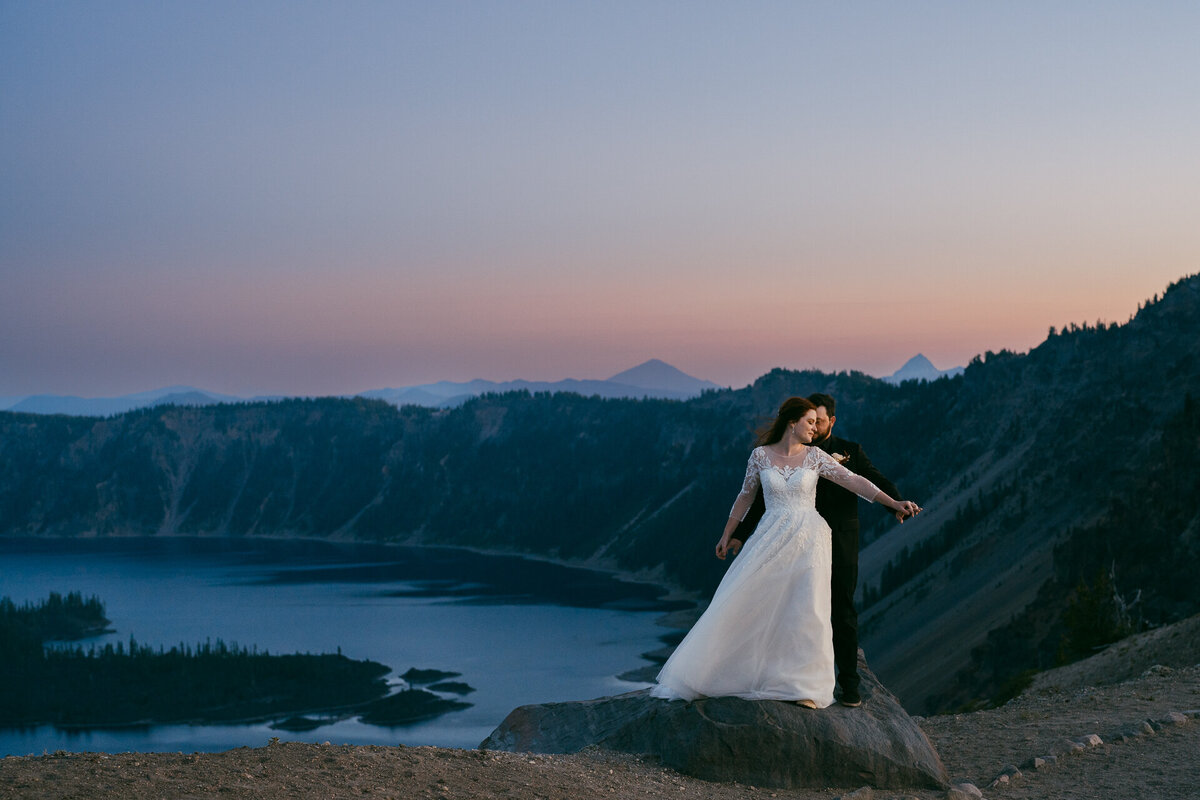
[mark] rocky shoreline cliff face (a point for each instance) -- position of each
(1032, 468)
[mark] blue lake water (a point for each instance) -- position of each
(520, 631)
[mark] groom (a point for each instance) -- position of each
(839, 507)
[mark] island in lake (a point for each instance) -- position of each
(134, 684)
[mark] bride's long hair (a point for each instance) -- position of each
(792, 409)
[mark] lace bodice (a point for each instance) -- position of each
(792, 481)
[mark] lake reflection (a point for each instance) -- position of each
(520, 631)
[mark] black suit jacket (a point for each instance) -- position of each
(838, 506)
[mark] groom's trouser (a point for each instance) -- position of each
(844, 617)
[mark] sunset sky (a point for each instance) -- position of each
(318, 198)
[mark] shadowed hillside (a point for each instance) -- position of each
(1032, 468)
(1079, 455)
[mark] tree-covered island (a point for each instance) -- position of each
(132, 684)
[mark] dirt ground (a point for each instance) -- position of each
(975, 747)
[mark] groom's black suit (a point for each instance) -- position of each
(839, 507)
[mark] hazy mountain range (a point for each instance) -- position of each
(651, 379)
(107, 406)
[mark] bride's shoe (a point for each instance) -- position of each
(806, 703)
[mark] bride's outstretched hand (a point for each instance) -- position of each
(905, 509)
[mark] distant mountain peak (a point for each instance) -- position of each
(919, 361)
(658, 374)
(920, 368)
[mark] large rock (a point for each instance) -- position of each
(762, 743)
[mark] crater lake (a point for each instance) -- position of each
(518, 630)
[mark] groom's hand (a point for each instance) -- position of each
(731, 549)
(909, 510)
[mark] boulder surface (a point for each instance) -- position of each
(755, 742)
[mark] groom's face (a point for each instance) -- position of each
(824, 425)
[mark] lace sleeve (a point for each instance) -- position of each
(750, 486)
(828, 468)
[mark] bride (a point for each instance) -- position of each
(766, 635)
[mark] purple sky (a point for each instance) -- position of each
(307, 198)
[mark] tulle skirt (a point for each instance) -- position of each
(767, 633)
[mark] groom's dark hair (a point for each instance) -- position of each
(818, 399)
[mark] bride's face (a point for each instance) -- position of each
(805, 427)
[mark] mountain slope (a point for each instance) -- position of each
(1049, 438)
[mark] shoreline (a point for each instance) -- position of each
(674, 592)
(975, 747)
(333, 714)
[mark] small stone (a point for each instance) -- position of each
(1064, 746)
(1091, 740)
(861, 793)
(1146, 729)
(1174, 718)
(1035, 763)
(964, 791)
(1193, 713)
(1001, 780)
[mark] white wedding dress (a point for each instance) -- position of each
(766, 635)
